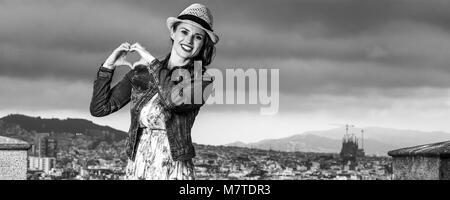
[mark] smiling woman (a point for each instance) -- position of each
(186, 39)
(159, 145)
(179, 32)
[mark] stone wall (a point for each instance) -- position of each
(416, 168)
(13, 159)
(13, 164)
(445, 169)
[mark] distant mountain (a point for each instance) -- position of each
(25, 127)
(394, 137)
(312, 143)
(376, 140)
(237, 144)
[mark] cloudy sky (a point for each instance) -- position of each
(368, 63)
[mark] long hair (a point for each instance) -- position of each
(208, 50)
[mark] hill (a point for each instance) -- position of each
(26, 127)
(376, 140)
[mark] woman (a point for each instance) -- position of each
(159, 144)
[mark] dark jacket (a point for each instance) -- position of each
(139, 86)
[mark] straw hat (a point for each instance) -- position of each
(197, 15)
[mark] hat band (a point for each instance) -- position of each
(196, 19)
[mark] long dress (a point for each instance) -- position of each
(153, 160)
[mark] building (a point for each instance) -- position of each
(350, 150)
(44, 146)
(424, 162)
(43, 153)
(13, 159)
(45, 164)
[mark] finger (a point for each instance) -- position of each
(137, 50)
(120, 49)
(123, 48)
(121, 53)
(134, 46)
(137, 45)
(123, 45)
(132, 49)
(128, 45)
(120, 46)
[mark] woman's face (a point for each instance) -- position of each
(187, 40)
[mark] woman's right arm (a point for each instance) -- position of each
(104, 99)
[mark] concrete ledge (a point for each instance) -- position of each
(13, 144)
(441, 149)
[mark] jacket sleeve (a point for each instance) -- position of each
(106, 100)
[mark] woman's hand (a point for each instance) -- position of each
(146, 57)
(117, 58)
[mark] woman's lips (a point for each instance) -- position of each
(186, 48)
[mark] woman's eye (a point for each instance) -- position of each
(184, 32)
(198, 37)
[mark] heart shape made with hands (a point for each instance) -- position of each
(131, 59)
(139, 55)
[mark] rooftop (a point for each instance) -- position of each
(13, 144)
(440, 149)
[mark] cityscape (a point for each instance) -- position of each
(77, 149)
(108, 161)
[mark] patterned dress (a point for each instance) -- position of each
(153, 160)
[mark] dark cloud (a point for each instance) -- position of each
(341, 18)
(330, 30)
(326, 47)
(346, 17)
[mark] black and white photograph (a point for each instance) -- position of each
(225, 90)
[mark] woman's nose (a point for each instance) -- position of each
(190, 39)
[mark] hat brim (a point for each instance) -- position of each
(173, 20)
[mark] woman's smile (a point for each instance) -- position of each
(186, 47)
